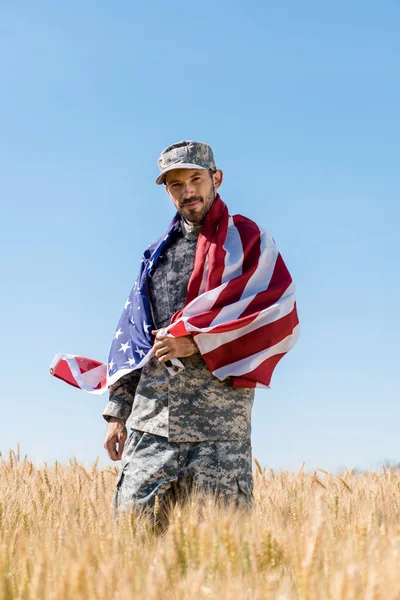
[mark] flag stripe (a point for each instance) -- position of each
(257, 340)
(217, 254)
(250, 363)
(262, 374)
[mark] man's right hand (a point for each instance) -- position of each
(115, 434)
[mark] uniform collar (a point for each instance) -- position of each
(190, 232)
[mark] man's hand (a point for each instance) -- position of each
(115, 434)
(169, 347)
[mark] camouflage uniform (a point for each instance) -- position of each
(188, 430)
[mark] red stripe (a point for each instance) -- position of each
(280, 281)
(251, 241)
(242, 382)
(87, 364)
(63, 372)
(179, 329)
(217, 252)
(102, 384)
(250, 343)
(262, 374)
(206, 237)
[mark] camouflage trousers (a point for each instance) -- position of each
(154, 468)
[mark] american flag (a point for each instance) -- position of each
(240, 309)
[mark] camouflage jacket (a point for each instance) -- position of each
(193, 405)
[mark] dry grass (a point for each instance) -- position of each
(309, 537)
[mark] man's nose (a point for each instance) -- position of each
(188, 190)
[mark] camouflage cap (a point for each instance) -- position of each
(185, 155)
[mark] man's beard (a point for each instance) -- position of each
(198, 215)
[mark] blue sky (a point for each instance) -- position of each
(300, 104)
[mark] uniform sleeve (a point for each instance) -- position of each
(122, 395)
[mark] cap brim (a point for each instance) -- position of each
(160, 178)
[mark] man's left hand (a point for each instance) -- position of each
(169, 347)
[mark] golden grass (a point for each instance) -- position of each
(308, 537)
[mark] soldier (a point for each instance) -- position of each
(191, 431)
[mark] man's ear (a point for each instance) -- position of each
(217, 178)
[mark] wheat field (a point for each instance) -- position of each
(309, 536)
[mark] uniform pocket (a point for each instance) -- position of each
(119, 477)
(115, 503)
(132, 441)
(131, 444)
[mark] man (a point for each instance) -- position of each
(190, 429)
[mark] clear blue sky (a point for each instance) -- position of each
(300, 102)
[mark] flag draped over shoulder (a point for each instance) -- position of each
(240, 309)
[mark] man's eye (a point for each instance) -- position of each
(175, 185)
(196, 178)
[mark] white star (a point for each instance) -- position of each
(151, 263)
(132, 321)
(147, 327)
(176, 226)
(111, 364)
(140, 352)
(124, 347)
(131, 362)
(117, 334)
(138, 308)
(127, 303)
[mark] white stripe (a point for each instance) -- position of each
(101, 371)
(261, 277)
(200, 304)
(246, 365)
(233, 265)
(56, 360)
(209, 341)
(94, 376)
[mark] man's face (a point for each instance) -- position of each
(192, 191)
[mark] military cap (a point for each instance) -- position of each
(185, 155)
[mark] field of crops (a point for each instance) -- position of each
(309, 536)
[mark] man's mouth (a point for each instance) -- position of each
(191, 204)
